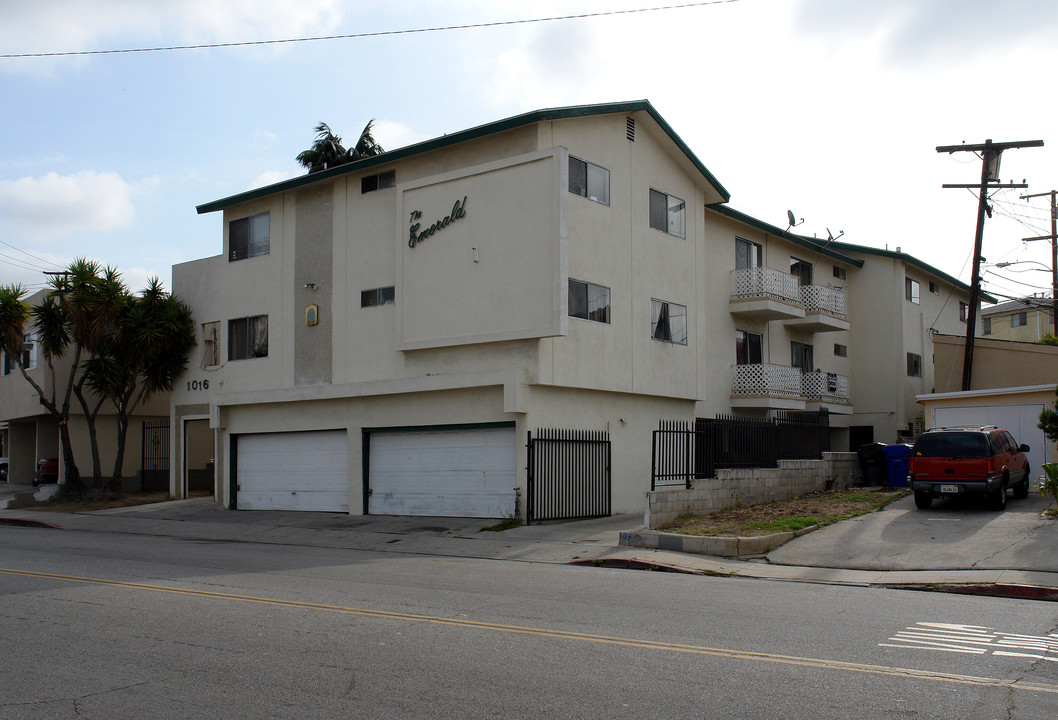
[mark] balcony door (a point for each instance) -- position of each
(801, 356)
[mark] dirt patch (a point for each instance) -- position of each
(128, 500)
(821, 508)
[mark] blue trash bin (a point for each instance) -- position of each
(896, 460)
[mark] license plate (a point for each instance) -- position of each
(949, 488)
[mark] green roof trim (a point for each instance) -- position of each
(474, 133)
(912, 260)
(825, 248)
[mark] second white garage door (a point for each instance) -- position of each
(293, 471)
(443, 473)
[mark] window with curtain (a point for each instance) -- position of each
(668, 322)
(589, 301)
(248, 338)
(749, 348)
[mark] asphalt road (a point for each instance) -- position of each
(100, 625)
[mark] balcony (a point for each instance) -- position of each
(824, 309)
(765, 293)
(781, 387)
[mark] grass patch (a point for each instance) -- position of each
(821, 508)
(511, 521)
(104, 503)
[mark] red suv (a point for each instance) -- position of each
(959, 461)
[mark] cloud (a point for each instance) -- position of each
(54, 205)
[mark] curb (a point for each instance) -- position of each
(1017, 592)
(24, 522)
(709, 545)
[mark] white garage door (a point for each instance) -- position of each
(294, 471)
(1020, 420)
(444, 473)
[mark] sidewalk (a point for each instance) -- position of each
(586, 542)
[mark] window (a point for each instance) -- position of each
(248, 237)
(964, 311)
(211, 344)
(801, 356)
(589, 301)
(803, 271)
(749, 348)
(914, 365)
(841, 350)
(987, 323)
(1020, 319)
(748, 254)
(589, 181)
(912, 290)
(667, 213)
(668, 322)
(248, 338)
(378, 296)
(934, 288)
(29, 356)
(840, 273)
(370, 183)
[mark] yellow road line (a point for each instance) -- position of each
(565, 635)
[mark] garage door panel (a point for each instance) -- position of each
(294, 471)
(451, 473)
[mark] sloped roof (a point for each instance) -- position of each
(510, 123)
(806, 242)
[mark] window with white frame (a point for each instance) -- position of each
(668, 322)
(748, 254)
(914, 365)
(1019, 319)
(589, 180)
(749, 348)
(912, 291)
(668, 214)
(589, 301)
(29, 355)
(248, 237)
(248, 337)
(211, 344)
(378, 296)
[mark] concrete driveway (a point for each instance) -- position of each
(950, 536)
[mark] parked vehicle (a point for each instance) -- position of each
(959, 461)
(47, 471)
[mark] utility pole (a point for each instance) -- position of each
(991, 154)
(1053, 237)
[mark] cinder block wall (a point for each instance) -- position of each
(753, 486)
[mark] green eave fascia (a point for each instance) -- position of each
(472, 134)
(912, 260)
(805, 242)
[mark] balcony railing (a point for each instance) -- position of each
(765, 379)
(764, 282)
(824, 299)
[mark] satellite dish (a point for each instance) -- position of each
(791, 218)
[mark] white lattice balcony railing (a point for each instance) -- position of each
(764, 282)
(824, 299)
(766, 379)
(825, 387)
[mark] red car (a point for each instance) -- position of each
(47, 471)
(958, 461)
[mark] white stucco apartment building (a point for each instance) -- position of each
(382, 337)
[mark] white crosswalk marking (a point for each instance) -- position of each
(976, 640)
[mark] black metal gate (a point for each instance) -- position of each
(568, 475)
(154, 473)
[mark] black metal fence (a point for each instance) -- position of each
(568, 475)
(682, 454)
(154, 473)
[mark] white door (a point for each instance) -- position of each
(1020, 420)
(293, 471)
(443, 473)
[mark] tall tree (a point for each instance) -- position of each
(327, 150)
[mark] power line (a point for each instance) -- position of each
(357, 36)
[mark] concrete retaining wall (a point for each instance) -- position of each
(753, 486)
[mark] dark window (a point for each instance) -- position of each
(803, 271)
(370, 183)
(248, 237)
(801, 356)
(934, 288)
(667, 214)
(589, 180)
(248, 338)
(952, 444)
(668, 322)
(914, 365)
(749, 348)
(987, 322)
(1020, 319)
(748, 254)
(964, 311)
(912, 291)
(589, 301)
(840, 273)
(377, 296)
(841, 350)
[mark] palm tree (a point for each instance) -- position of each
(327, 150)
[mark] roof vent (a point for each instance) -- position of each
(630, 129)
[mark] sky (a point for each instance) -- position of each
(829, 108)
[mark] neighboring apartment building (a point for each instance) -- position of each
(370, 332)
(29, 433)
(1025, 320)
